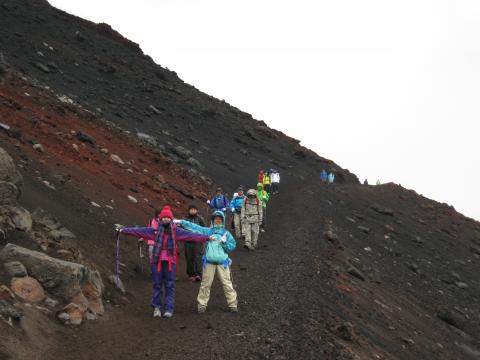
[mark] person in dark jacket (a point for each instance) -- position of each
(194, 249)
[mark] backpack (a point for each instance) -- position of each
(214, 252)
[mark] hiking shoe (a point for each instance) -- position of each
(201, 309)
(262, 230)
(192, 278)
(198, 278)
(233, 309)
(157, 313)
(168, 314)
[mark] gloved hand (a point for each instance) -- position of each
(208, 202)
(223, 239)
(176, 221)
(224, 209)
(213, 237)
(118, 227)
(232, 210)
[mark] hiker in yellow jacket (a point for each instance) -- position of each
(267, 181)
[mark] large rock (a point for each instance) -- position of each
(8, 171)
(15, 217)
(62, 279)
(53, 229)
(28, 289)
(9, 193)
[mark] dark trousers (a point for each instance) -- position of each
(160, 279)
(266, 187)
(193, 257)
(274, 187)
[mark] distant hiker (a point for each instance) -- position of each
(263, 197)
(194, 249)
(164, 258)
(275, 176)
(252, 216)
(331, 178)
(236, 208)
(215, 260)
(267, 181)
(378, 182)
(260, 176)
(365, 182)
(219, 202)
(324, 176)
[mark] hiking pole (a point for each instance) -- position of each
(117, 262)
(140, 256)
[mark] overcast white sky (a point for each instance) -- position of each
(387, 89)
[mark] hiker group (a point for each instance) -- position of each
(207, 248)
(327, 177)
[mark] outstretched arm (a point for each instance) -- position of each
(186, 235)
(187, 225)
(141, 232)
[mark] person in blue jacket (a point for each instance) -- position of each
(236, 208)
(219, 202)
(215, 260)
(331, 178)
(324, 176)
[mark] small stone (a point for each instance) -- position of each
(132, 199)
(75, 313)
(39, 148)
(15, 269)
(75, 147)
(28, 289)
(42, 67)
(85, 138)
(352, 270)
(51, 302)
(104, 151)
(418, 240)
(8, 311)
(94, 204)
(365, 229)
(117, 159)
(91, 317)
(47, 184)
(461, 285)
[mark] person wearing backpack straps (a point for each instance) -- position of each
(164, 257)
(236, 208)
(219, 202)
(252, 216)
(215, 260)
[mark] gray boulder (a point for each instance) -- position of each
(147, 139)
(15, 269)
(182, 152)
(9, 193)
(62, 279)
(8, 171)
(15, 217)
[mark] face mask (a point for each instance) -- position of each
(216, 226)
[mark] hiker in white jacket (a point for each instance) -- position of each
(275, 176)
